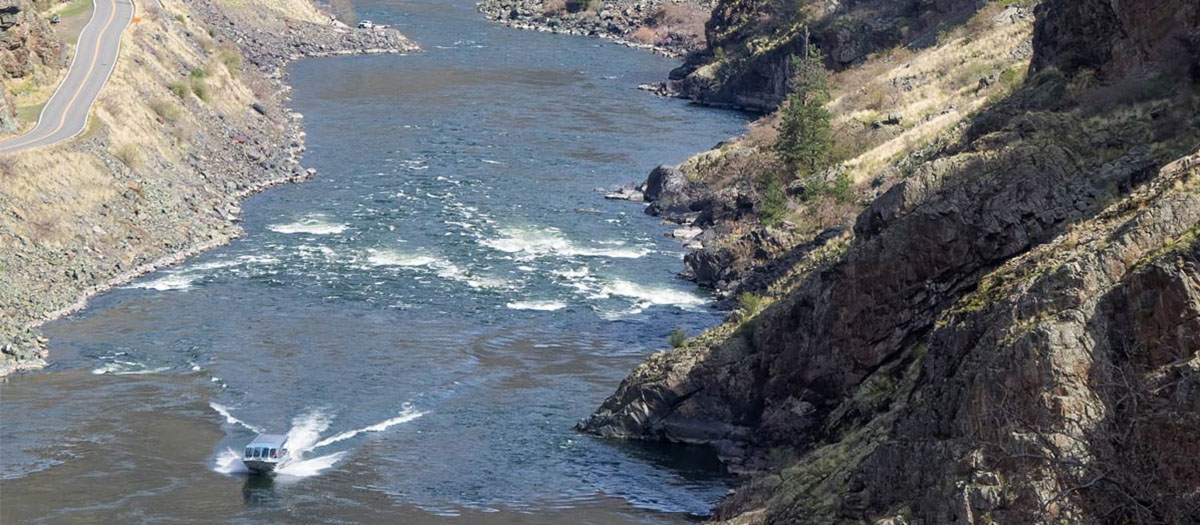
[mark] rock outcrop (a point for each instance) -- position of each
(26, 40)
(1116, 40)
(1012, 335)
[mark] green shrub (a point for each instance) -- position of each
(1012, 77)
(232, 60)
(719, 54)
(773, 208)
(805, 141)
(677, 338)
(751, 304)
(179, 88)
(842, 189)
(201, 90)
(198, 72)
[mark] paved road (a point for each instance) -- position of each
(66, 114)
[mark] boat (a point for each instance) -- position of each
(264, 453)
(367, 24)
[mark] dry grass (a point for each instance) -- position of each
(167, 110)
(645, 35)
(763, 132)
(207, 44)
(930, 91)
(149, 11)
(285, 11)
(679, 21)
(231, 58)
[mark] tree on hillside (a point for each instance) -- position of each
(805, 142)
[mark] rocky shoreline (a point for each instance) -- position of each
(617, 21)
(251, 158)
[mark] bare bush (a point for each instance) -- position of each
(130, 155)
(645, 35)
(682, 21)
(764, 131)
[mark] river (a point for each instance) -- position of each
(426, 319)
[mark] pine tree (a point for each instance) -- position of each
(805, 143)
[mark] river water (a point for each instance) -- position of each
(426, 319)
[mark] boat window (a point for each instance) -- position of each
(249, 451)
(274, 453)
(256, 452)
(283, 453)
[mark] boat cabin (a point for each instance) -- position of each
(267, 450)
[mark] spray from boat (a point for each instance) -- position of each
(301, 440)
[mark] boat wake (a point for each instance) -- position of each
(233, 420)
(303, 439)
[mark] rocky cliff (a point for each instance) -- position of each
(26, 39)
(1012, 331)
(192, 120)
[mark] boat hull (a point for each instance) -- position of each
(260, 467)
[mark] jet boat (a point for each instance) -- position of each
(265, 453)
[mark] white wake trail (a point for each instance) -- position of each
(405, 416)
(302, 438)
(306, 430)
(233, 420)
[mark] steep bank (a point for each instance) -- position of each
(1008, 330)
(192, 121)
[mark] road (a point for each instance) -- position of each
(66, 113)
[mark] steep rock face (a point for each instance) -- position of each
(25, 40)
(1118, 38)
(1013, 336)
(1066, 388)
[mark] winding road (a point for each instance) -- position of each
(66, 114)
